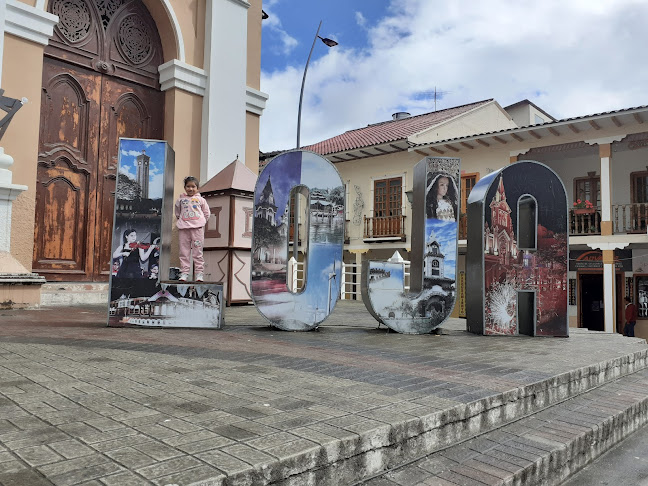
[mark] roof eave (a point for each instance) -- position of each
(376, 150)
(536, 132)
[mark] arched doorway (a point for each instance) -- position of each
(100, 82)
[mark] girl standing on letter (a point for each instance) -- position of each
(192, 213)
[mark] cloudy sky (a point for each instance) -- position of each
(571, 58)
(129, 149)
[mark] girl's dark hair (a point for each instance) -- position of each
(128, 232)
(191, 179)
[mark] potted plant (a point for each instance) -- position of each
(583, 207)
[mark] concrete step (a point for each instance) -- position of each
(539, 449)
(371, 447)
(74, 293)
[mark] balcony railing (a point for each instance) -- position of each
(463, 226)
(384, 227)
(627, 218)
(588, 223)
(630, 218)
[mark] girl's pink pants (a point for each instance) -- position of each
(191, 238)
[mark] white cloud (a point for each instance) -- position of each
(571, 58)
(126, 170)
(132, 153)
(156, 186)
(360, 19)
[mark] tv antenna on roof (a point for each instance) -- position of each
(438, 95)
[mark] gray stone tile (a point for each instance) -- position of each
(38, 455)
(224, 462)
(171, 466)
(130, 458)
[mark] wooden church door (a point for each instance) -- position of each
(100, 82)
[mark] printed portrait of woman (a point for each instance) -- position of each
(441, 197)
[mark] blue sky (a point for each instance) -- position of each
(570, 58)
(292, 23)
(129, 149)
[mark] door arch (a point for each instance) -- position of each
(100, 82)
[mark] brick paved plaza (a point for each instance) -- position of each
(81, 403)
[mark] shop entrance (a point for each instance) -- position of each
(591, 306)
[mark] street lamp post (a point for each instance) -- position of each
(328, 42)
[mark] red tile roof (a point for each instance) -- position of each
(388, 131)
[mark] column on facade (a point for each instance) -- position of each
(8, 193)
(609, 282)
(3, 13)
(605, 155)
(224, 104)
(609, 279)
(18, 286)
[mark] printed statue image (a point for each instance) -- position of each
(434, 256)
(517, 253)
(324, 219)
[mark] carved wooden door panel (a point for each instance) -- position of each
(127, 110)
(100, 82)
(67, 172)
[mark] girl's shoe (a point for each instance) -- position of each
(183, 277)
(199, 277)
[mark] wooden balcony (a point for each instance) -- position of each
(588, 223)
(630, 218)
(463, 226)
(384, 227)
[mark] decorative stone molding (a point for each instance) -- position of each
(558, 148)
(515, 153)
(29, 23)
(176, 29)
(178, 74)
(637, 144)
(604, 140)
(607, 246)
(255, 101)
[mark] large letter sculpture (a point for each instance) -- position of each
(517, 253)
(140, 295)
(433, 267)
(309, 172)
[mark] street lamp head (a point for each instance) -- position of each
(328, 42)
(410, 196)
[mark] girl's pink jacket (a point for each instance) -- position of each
(191, 212)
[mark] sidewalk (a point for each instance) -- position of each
(84, 404)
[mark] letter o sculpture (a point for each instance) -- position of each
(316, 176)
